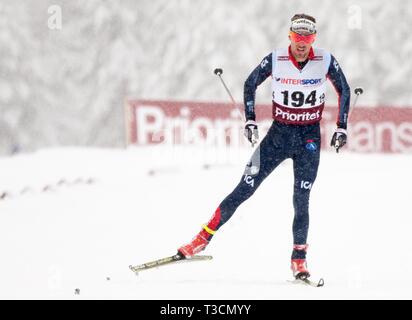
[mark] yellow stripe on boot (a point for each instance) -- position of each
(208, 230)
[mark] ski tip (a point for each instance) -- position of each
(318, 284)
(133, 269)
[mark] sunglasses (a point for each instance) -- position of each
(296, 37)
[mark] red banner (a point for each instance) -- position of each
(378, 129)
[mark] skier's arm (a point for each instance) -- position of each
(336, 76)
(260, 74)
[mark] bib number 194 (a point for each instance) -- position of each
(298, 98)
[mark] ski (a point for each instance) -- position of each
(168, 260)
(308, 282)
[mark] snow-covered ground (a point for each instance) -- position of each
(142, 203)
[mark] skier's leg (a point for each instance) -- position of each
(305, 165)
(264, 160)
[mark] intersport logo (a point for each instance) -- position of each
(303, 82)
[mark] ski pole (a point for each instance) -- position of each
(219, 72)
(358, 91)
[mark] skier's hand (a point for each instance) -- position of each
(339, 139)
(251, 132)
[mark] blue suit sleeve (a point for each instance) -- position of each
(336, 76)
(258, 75)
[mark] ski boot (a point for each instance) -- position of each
(298, 264)
(198, 243)
(299, 269)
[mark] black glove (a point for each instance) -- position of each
(251, 132)
(339, 139)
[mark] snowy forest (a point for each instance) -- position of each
(66, 85)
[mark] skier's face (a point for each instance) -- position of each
(300, 45)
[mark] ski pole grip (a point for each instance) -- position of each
(218, 71)
(358, 91)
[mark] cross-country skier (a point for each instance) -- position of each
(299, 75)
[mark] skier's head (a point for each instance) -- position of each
(302, 34)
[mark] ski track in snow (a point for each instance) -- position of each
(146, 202)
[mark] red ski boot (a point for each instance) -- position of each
(300, 269)
(198, 243)
(298, 265)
